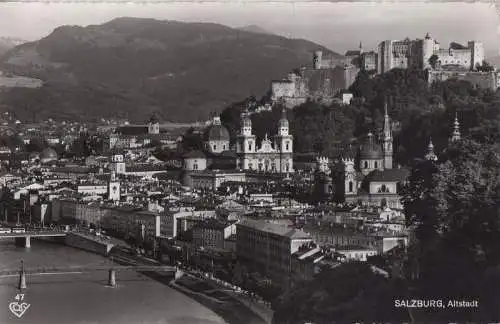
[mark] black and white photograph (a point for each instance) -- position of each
(249, 162)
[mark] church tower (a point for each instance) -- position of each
(455, 136)
(284, 142)
(387, 140)
(430, 156)
(153, 125)
(114, 188)
(117, 164)
(350, 178)
(245, 144)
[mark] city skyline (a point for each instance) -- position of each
(335, 25)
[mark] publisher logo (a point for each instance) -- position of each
(19, 307)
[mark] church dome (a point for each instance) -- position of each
(370, 149)
(48, 154)
(217, 133)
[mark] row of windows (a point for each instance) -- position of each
(287, 146)
(366, 165)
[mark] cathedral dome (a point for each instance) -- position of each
(48, 154)
(370, 149)
(217, 133)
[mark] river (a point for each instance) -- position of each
(84, 298)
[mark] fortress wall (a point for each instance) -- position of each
(484, 80)
(461, 57)
(282, 89)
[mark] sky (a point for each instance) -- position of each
(337, 25)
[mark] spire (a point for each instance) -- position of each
(387, 123)
(430, 156)
(455, 136)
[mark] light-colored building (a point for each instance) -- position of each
(416, 54)
(375, 183)
(268, 248)
(272, 157)
(357, 253)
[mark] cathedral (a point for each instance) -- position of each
(274, 157)
(374, 181)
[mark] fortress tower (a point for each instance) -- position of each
(318, 56)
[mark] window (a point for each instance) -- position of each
(350, 186)
(215, 147)
(224, 146)
(376, 164)
(286, 146)
(249, 146)
(366, 164)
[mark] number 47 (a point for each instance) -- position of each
(19, 297)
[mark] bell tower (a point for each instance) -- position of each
(284, 142)
(114, 187)
(245, 144)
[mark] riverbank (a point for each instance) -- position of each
(62, 298)
(203, 291)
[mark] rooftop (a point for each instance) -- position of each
(277, 229)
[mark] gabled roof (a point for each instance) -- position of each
(277, 229)
(352, 53)
(132, 130)
(388, 175)
(197, 154)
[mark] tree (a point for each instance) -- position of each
(433, 60)
(485, 67)
(454, 206)
(192, 140)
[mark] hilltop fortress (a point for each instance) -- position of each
(328, 74)
(416, 54)
(321, 82)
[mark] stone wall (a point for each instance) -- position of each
(484, 80)
(88, 243)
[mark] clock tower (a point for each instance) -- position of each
(114, 188)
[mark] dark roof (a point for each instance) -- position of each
(217, 133)
(153, 119)
(145, 168)
(194, 155)
(388, 175)
(352, 53)
(132, 130)
(371, 150)
(49, 153)
(224, 155)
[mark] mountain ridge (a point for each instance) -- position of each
(132, 67)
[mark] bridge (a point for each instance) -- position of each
(111, 268)
(25, 237)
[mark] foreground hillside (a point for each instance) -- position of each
(131, 67)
